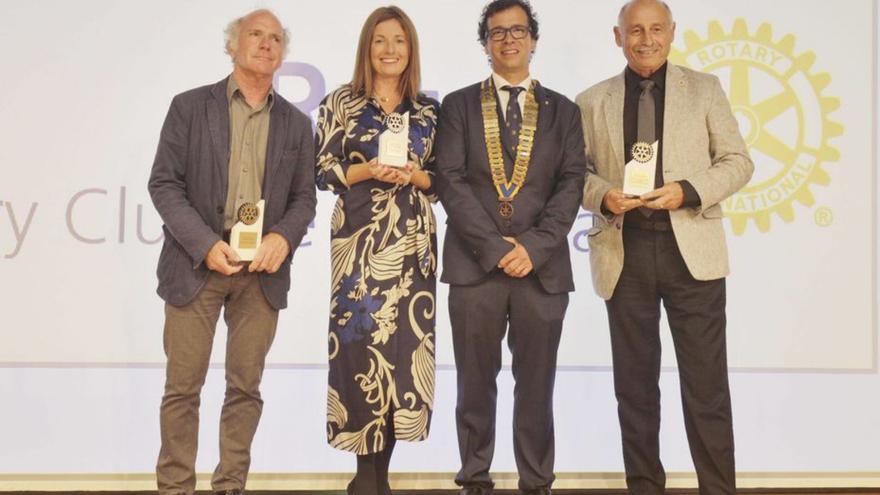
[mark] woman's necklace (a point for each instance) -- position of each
(386, 99)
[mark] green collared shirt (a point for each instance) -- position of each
(248, 139)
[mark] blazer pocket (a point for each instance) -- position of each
(598, 239)
(594, 231)
(713, 211)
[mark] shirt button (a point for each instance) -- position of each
(219, 210)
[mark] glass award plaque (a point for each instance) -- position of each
(247, 233)
(394, 141)
(639, 173)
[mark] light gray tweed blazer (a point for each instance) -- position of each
(701, 144)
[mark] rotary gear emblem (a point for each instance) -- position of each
(248, 213)
(782, 114)
(642, 152)
(394, 122)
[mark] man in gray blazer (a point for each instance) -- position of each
(510, 169)
(223, 146)
(666, 246)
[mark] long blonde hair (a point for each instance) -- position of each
(410, 80)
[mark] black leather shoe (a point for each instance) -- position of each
(537, 491)
(233, 491)
(476, 490)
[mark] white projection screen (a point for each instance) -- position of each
(86, 85)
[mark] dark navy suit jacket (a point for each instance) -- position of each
(189, 183)
(545, 208)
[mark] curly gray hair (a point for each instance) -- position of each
(233, 29)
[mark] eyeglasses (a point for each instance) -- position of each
(516, 32)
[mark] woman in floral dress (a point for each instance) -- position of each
(383, 253)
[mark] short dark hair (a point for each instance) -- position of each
(496, 6)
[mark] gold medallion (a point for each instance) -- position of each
(248, 213)
(505, 208)
(642, 152)
(508, 188)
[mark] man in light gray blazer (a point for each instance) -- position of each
(223, 146)
(665, 246)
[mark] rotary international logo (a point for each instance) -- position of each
(782, 114)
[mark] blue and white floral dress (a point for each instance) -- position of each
(383, 256)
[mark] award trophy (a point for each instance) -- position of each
(639, 172)
(247, 233)
(394, 141)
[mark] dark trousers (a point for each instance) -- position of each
(654, 271)
(481, 315)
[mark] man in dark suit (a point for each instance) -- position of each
(224, 146)
(511, 166)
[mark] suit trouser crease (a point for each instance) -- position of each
(654, 271)
(189, 334)
(481, 315)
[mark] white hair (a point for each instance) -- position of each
(233, 29)
(630, 3)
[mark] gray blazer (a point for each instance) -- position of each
(189, 183)
(701, 143)
(545, 208)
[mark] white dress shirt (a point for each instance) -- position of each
(504, 96)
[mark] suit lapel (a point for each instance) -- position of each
(544, 108)
(275, 147)
(674, 103)
(218, 125)
(613, 109)
(545, 119)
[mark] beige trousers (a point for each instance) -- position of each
(188, 338)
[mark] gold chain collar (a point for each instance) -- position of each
(508, 189)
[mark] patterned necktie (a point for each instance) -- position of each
(646, 130)
(513, 119)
